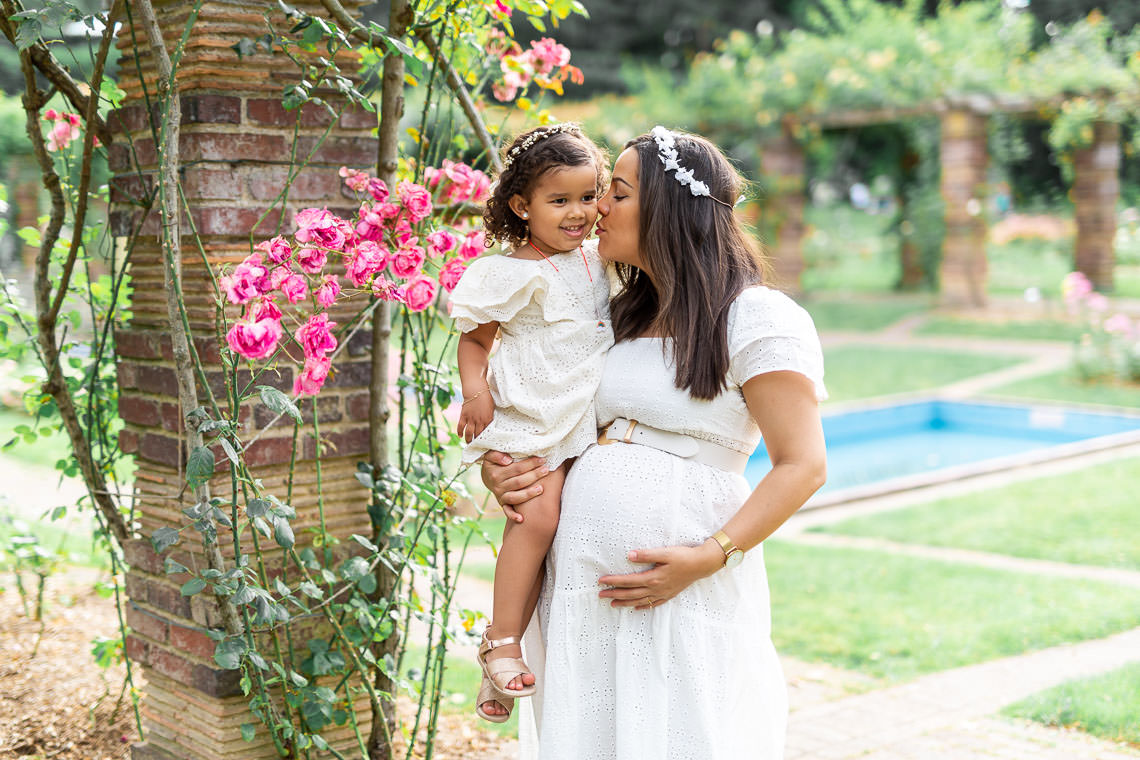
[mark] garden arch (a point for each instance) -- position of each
(964, 159)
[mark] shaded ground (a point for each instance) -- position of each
(58, 703)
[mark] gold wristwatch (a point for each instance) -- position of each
(733, 554)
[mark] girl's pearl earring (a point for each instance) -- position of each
(526, 215)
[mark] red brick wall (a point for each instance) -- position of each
(236, 140)
(1096, 188)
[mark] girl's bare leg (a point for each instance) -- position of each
(519, 569)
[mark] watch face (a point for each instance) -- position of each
(734, 558)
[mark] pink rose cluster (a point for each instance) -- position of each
(64, 129)
(546, 63)
(1080, 298)
(457, 183)
(385, 250)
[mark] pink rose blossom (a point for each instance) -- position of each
(386, 290)
(499, 10)
(1074, 288)
(322, 228)
(294, 288)
(354, 179)
(408, 261)
(419, 293)
(367, 259)
(549, 55)
(51, 114)
(415, 199)
(1097, 302)
(278, 276)
(328, 291)
(441, 243)
(1118, 324)
(405, 237)
(254, 339)
(370, 224)
(312, 260)
(249, 280)
(315, 336)
(473, 245)
(263, 309)
(504, 93)
(278, 249)
(451, 272)
(377, 189)
(312, 376)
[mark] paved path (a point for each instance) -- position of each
(946, 715)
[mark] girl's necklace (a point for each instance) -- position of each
(601, 323)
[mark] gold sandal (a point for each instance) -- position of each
(488, 693)
(510, 667)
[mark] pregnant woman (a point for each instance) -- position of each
(654, 614)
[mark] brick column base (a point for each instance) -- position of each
(964, 158)
(1096, 188)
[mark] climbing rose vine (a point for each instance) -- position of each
(393, 249)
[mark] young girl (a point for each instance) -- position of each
(548, 300)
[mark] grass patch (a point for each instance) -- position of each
(846, 250)
(976, 328)
(864, 317)
(1106, 705)
(855, 371)
(1088, 517)
(1025, 263)
(897, 617)
(1065, 386)
(70, 541)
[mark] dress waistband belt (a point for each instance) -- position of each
(624, 430)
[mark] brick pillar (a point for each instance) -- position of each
(235, 146)
(782, 166)
(1096, 187)
(964, 159)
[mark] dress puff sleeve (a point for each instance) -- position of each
(767, 332)
(495, 289)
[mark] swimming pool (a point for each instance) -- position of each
(894, 447)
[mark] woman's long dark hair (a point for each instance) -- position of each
(700, 257)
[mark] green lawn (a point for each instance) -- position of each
(1107, 705)
(1066, 387)
(70, 542)
(1028, 263)
(860, 371)
(897, 617)
(1085, 517)
(849, 251)
(1039, 330)
(864, 316)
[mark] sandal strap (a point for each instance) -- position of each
(488, 693)
(505, 641)
(512, 665)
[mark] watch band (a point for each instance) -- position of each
(731, 550)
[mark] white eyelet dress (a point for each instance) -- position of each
(554, 333)
(696, 677)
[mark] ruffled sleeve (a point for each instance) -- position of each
(494, 289)
(768, 332)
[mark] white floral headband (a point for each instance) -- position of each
(566, 127)
(667, 152)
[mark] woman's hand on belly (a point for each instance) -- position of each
(673, 569)
(512, 482)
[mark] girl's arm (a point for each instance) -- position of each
(472, 356)
(784, 406)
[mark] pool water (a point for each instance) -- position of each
(885, 443)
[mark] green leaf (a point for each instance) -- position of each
(248, 731)
(538, 24)
(58, 512)
(310, 589)
(171, 567)
(258, 507)
(229, 449)
(29, 33)
(229, 652)
(365, 543)
(283, 534)
(199, 466)
(164, 538)
(193, 586)
(278, 401)
(245, 46)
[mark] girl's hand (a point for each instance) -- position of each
(674, 569)
(475, 416)
(513, 482)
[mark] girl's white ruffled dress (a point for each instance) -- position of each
(696, 677)
(554, 334)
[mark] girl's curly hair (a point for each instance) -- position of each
(532, 154)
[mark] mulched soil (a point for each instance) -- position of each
(60, 705)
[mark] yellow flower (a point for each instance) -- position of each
(789, 79)
(1095, 17)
